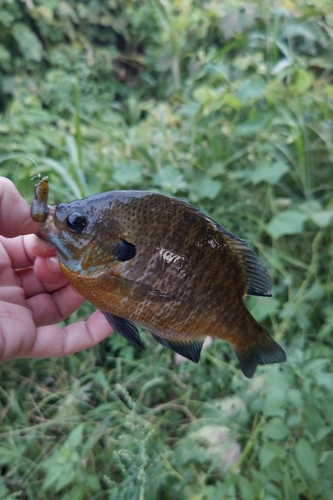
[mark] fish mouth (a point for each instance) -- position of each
(47, 229)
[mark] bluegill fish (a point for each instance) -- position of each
(146, 259)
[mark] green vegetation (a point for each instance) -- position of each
(227, 104)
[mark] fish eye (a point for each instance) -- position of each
(76, 222)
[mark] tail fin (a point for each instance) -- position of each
(263, 353)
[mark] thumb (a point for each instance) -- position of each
(15, 218)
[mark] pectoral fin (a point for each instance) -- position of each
(125, 328)
(135, 291)
(190, 349)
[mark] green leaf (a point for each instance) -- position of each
(4, 491)
(52, 476)
(230, 25)
(127, 173)
(305, 29)
(275, 429)
(322, 218)
(28, 42)
(269, 452)
(274, 403)
(286, 223)
(248, 489)
(7, 456)
(204, 95)
(306, 458)
(6, 17)
(325, 380)
(280, 66)
(216, 168)
(75, 437)
(251, 127)
(269, 172)
(170, 178)
(303, 81)
(209, 188)
(252, 88)
(93, 482)
(4, 54)
(266, 455)
(262, 307)
(66, 478)
(328, 410)
(295, 398)
(229, 99)
(78, 492)
(327, 464)
(309, 207)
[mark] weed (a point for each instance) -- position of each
(228, 105)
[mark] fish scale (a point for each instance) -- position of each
(150, 260)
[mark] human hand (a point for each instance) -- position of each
(34, 294)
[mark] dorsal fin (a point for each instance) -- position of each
(190, 349)
(257, 278)
(258, 281)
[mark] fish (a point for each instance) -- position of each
(149, 260)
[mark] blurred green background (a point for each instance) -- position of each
(227, 104)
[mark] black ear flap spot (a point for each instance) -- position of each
(125, 251)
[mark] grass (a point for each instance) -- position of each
(229, 107)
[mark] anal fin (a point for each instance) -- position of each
(125, 328)
(190, 349)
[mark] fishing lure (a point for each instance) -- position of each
(39, 209)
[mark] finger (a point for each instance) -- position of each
(54, 307)
(23, 250)
(17, 329)
(15, 218)
(13, 255)
(7, 275)
(53, 341)
(38, 247)
(17, 252)
(14, 295)
(27, 280)
(48, 271)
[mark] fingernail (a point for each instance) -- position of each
(53, 265)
